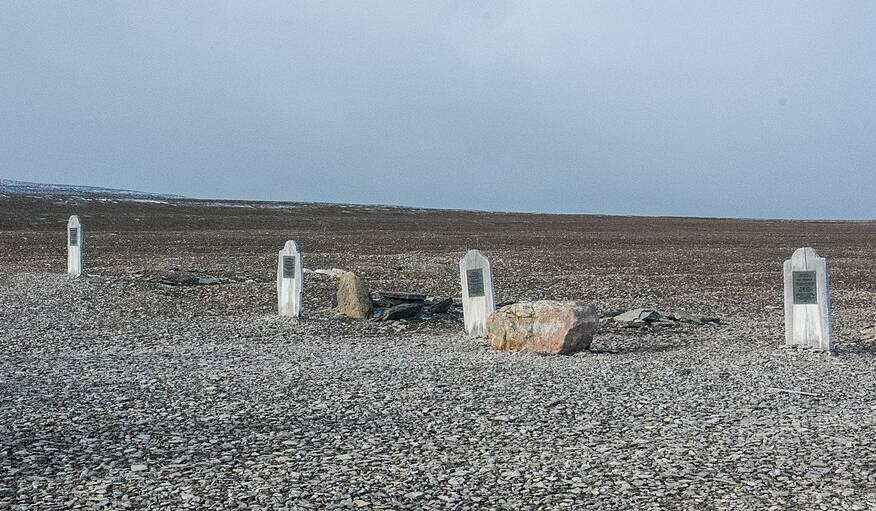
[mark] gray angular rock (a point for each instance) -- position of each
(636, 317)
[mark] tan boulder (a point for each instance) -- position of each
(354, 299)
(545, 327)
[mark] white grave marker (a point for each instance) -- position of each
(289, 280)
(75, 239)
(807, 300)
(478, 300)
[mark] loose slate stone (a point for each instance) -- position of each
(807, 300)
(440, 305)
(75, 246)
(401, 311)
(478, 299)
(289, 280)
(179, 278)
(636, 317)
(399, 297)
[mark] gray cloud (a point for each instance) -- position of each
(752, 109)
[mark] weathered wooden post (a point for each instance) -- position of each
(289, 280)
(75, 246)
(478, 298)
(807, 300)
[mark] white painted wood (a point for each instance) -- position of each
(476, 309)
(808, 324)
(290, 288)
(75, 246)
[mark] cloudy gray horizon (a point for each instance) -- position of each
(727, 109)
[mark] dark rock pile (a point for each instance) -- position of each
(647, 318)
(395, 305)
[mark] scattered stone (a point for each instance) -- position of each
(544, 327)
(690, 318)
(354, 299)
(611, 313)
(865, 336)
(179, 278)
(243, 410)
(440, 305)
(636, 318)
(401, 311)
(642, 318)
(139, 468)
(399, 297)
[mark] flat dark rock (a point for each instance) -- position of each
(441, 306)
(402, 311)
(181, 278)
(401, 296)
(377, 303)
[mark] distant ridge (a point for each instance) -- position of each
(10, 186)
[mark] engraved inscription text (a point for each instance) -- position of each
(288, 267)
(475, 279)
(805, 288)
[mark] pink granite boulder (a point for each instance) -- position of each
(545, 327)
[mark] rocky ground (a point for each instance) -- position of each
(118, 390)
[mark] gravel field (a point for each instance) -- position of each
(119, 392)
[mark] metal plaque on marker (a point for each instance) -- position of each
(288, 267)
(805, 288)
(74, 236)
(475, 279)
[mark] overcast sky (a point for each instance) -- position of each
(742, 109)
